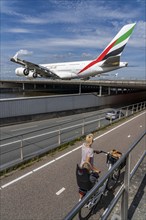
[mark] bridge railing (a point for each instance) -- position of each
(123, 190)
(19, 148)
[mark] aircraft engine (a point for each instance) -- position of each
(25, 72)
(31, 75)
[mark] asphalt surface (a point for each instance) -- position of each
(32, 138)
(47, 190)
(30, 127)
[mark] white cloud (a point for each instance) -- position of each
(85, 25)
(18, 30)
(138, 38)
(79, 12)
(97, 41)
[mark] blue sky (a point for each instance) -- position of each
(70, 30)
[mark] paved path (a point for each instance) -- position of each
(47, 190)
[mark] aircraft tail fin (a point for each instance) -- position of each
(116, 46)
(111, 54)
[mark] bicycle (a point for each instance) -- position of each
(87, 210)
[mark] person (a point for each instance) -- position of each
(87, 160)
(93, 176)
(88, 153)
(85, 178)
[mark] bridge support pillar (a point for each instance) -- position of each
(23, 86)
(100, 90)
(109, 90)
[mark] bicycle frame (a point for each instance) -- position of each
(101, 190)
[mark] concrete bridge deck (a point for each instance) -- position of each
(72, 85)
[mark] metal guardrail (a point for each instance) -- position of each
(31, 144)
(123, 191)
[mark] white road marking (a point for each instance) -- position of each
(129, 136)
(15, 180)
(140, 126)
(50, 162)
(119, 126)
(58, 158)
(60, 191)
(46, 164)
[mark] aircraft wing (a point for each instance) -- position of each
(37, 68)
(112, 61)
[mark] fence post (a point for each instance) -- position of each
(59, 137)
(125, 196)
(141, 106)
(132, 109)
(127, 112)
(21, 148)
(83, 127)
(99, 124)
(110, 120)
(137, 107)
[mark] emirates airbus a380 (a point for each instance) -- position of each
(108, 60)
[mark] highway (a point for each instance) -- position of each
(35, 136)
(22, 128)
(47, 190)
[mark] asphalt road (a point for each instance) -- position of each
(33, 138)
(22, 128)
(47, 190)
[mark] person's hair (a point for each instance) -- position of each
(89, 139)
(87, 166)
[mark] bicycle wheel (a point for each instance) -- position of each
(85, 212)
(113, 179)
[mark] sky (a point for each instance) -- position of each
(71, 30)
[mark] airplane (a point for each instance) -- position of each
(108, 60)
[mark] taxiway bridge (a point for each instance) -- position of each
(73, 86)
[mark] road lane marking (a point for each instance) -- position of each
(50, 162)
(60, 191)
(129, 136)
(58, 158)
(46, 164)
(119, 126)
(15, 180)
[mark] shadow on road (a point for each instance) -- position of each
(137, 198)
(108, 197)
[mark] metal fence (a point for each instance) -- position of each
(19, 148)
(123, 190)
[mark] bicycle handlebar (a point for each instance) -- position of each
(99, 152)
(107, 153)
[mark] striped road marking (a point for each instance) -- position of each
(52, 161)
(60, 191)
